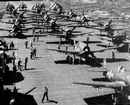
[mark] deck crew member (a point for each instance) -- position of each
(45, 95)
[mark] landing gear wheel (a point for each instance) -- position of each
(77, 61)
(69, 59)
(114, 98)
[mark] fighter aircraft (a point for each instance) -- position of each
(67, 15)
(55, 7)
(80, 21)
(17, 31)
(73, 40)
(17, 28)
(66, 35)
(114, 76)
(21, 35)
(39, 8)
(67, 32)
(83, 21)
(18, 17)
(10, 95)
(82, 51)
(10, 8)
(116, 40)
(25, 20)
(108, 28)
(54, 10)
(120, 83)
(22, 7)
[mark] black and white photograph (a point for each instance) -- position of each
(64, 52)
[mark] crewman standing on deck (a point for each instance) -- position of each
(45, 95)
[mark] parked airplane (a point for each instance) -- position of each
(108, 28)
(120, 82)
(9, 8)
(17, 32)
(81, 50)
(116, 40)
(82, 20)
(115, 76)
(66, 35)
(12, 96)
(55, 7)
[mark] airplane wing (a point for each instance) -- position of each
(80, 21)
(97, 28)
(30, 90)
(103, 28)
(82, 52)
(23, 36)
(25, 22)
(23, 28)
(105, 45)
(96, 51)
(63, 51)
(84, 26)
(25, 17)
(87, 42)
(126, 41)
(72, 36)
(114, 85)
(5, 49)
(74, 20)
(106, 39)
(105, 49)
(3, 29)
(39, 35)
(27, 28)
(92, 42)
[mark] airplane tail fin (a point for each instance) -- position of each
(121, 69)
(108, 72)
